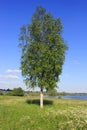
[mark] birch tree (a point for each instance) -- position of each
(43, 51)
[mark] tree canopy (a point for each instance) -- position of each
(43, 50)
(18, 92)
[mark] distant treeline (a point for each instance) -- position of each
(54, 93)
(20, 92)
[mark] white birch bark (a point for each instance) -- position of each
(41, 99)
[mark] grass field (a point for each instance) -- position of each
(24, 113)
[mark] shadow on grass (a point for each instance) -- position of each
(37, 102)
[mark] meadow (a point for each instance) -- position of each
(24, 113)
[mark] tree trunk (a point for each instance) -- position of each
(41, 98)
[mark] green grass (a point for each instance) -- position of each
(24, 113)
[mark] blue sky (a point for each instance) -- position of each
(73, 13)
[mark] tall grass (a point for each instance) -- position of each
(22, 113)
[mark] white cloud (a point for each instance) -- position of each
(13, 71)
(12, 76)
(12, 84)
(9, 76)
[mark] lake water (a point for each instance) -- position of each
(75, 97)
(69, 97)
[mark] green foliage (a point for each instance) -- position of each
(1, 93)
(43, 50)
(59, 97)
(10, 93)
(17, 92)
(33, 93)
(52, 92)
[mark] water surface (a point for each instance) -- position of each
(75, 97)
